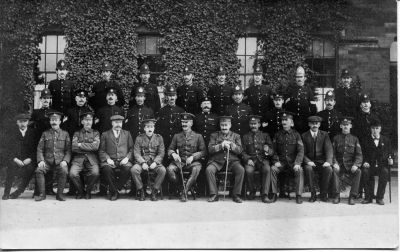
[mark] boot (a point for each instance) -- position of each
(142, 196)
(298, 199)
(313, 197)
(62, 179)
(15, 195)
(5, 197)
(252, 194)
(40, 183)
(324, 197)
(183, 196)
(351, 200)
(154, 195)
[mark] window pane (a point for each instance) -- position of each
(329, 49)
(41, 62)
(141, 45)
(51, 62)
(251, 46)
(317, 48)
(318, 65)
(151, 45)
(42, 45)
(250, 64)
(61, 44)
(60, 57)
(242, 63)
(241, 78)
(241, 47)
(330, 66)
(51, 45)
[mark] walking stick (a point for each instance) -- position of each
(390, 178)
(183, 181)
(226, 171)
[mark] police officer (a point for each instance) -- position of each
(186, 150)
(99, 90)
(258, 96)
(152, 97)
(206, 122)
(347, 96)
(149, 152)
(330, 116)
(73, 115)
(39, 116)
(272, 119)
(137, 113)
(85, 144)
(220, 94)
(289, 153)
(257, 150)
(169, 123)
(62, 89)
(220, 142)
(104, 114)
(300, 101)
(347, 159)
(53, 153)
(239, 112)
(189, 96)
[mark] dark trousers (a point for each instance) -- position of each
(237, 170)
(369, 181)
(269, 178)
(116, 177)
(91, 173)
(355, 181)
(61, 176)
(324, 174)
(137, 170)
(24, 172)
(298, 175)
(174, 173)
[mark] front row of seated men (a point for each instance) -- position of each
(117, 157)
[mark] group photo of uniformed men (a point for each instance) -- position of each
(253, 143)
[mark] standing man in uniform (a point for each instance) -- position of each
(137, 113)
(73, 115)
(186, 150)
(53, 153)
(85, 144)
(330, 116)
(257, 150)
(220, 143)
(239, 112)
(300, 101)
(22, 157)
(152, 97)
(189, 96)
(347, 96)
(149, 152)
(272, 119)
(104, 114)
(62, 89)
(289, 153)
(99, 90)
(258, 96)
(318, 155)
(115, 152)
(347, 159)
(220, 94)
(206, 122)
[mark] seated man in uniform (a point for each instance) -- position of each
(186, 149)
(220, 143)
(149, 152)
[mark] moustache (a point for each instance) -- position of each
(206, 107)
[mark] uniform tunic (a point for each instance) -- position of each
(104, 114)
(189, 98)
(152, 97)
(240, 113)
(274, 119)
(259, 98)
(330, 122)
(100, 90)
(221, 97)
(73, 123)
(347, 101)
(63, 94)
(205, 124)
(134, 118)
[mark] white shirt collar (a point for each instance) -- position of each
(314, 133)
(116, 134)
(23, 132)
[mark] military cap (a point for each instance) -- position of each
(314, 119)
(187, 116)
(111, 90)
(22, 116)
(225, 118)
(45, 93)
(375, 122)
(107, 66)
(140, 91)
(365, 98)
(149, 121)
(345, 73)
(238, 89)
(221, 71)
(254, 118)
(188, 70)
(330, 95)
(81, 93)
(277, 95)
(346, 120)
(205, 99)
(144, 69)
(258, 70)
(287, 115)
(170, 90)
(53, 112)
(61, 65)
(116, 117)
(87, 114)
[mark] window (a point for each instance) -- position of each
(52, 50)
(150, 52)
(247, 54)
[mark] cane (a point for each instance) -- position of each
(390, 163)
(226, 171)
(183, 181)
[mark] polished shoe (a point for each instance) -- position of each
(265, 199)
(380, 202)
(298, 199)
(213, 198)
(79, 196)
(351, 200)
(60, 198)
(237, 199)
(114, 196)
(252, 195)
(40, 197)
(336, 200)
(5, 197)
(153, 196)
(366, 201)
(88, 195)
(14, 195)
(313, 197)
(142, 196)
(323, 197)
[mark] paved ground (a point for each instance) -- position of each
(127, 223)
